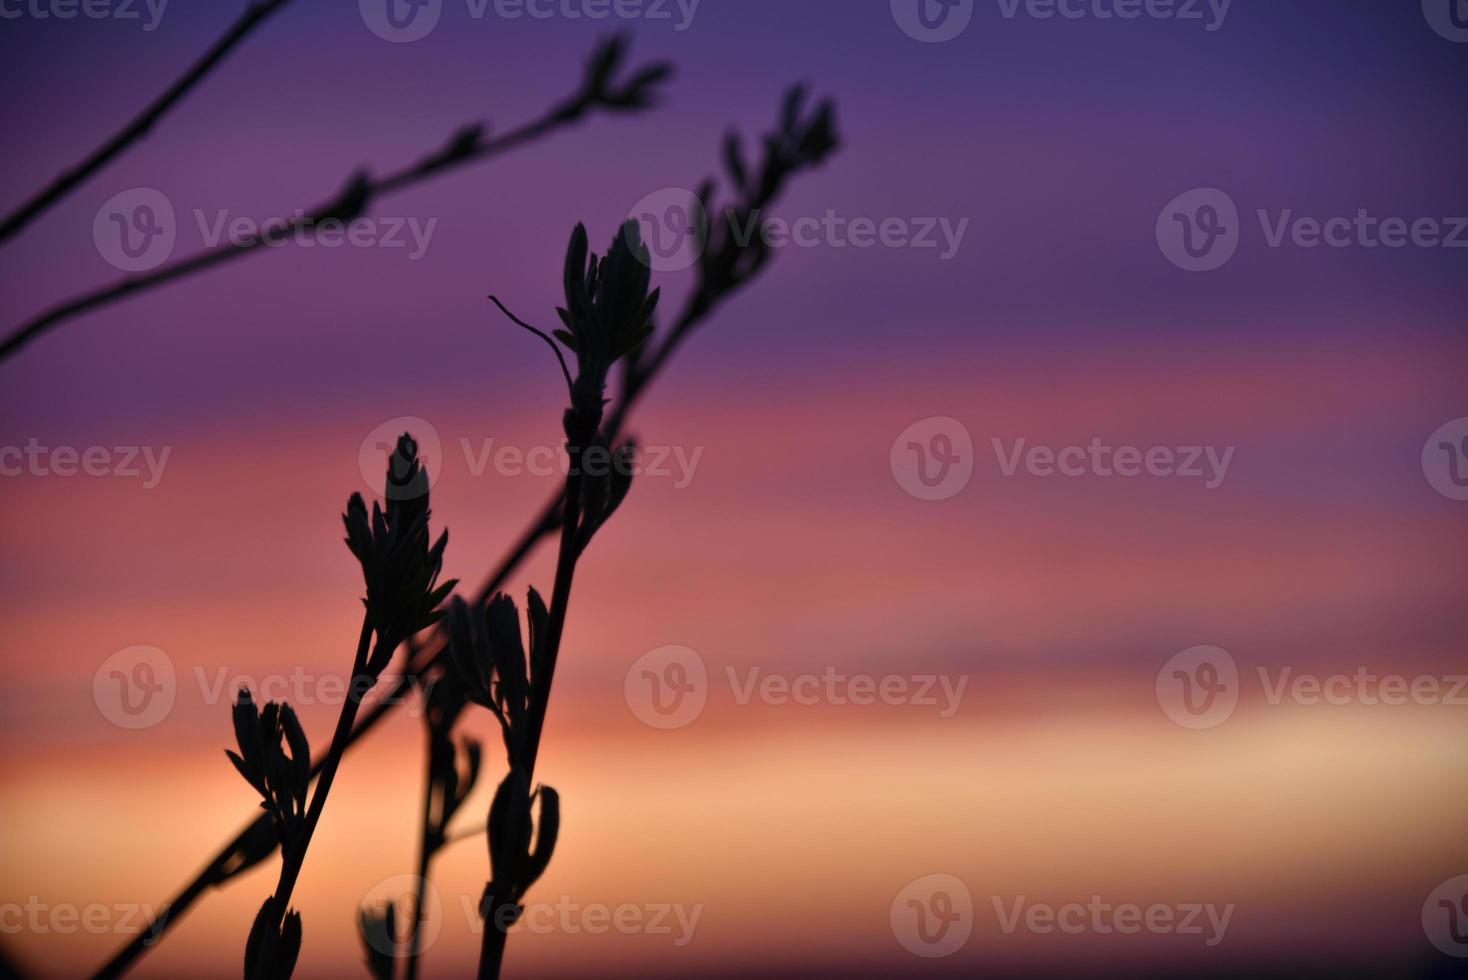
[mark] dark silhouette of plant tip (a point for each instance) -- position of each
(274, 943)
(800, 142)
(399, 565)
(608, 315)
(377, 929)
(281, 777)
(400, 569)
(599, 90)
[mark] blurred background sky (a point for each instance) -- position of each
(792, 548)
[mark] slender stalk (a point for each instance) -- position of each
(232, 857)
(492, 944)
(425, 855)
(219, 869)
(294, 856)
(465, 147)
(235, 856)
(140, 124)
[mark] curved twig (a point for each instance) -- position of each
(140, 124)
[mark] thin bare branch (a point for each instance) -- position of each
(139, 126)
(467, 145)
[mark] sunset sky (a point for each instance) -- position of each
(778, 540)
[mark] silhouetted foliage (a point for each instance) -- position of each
(478, 656)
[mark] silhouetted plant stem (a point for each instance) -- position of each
(234, 856)
(141, 124)
(725, 269)
(492, 945)
(256, 841)
(425, 856)
(467, 145)
(294, 857)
